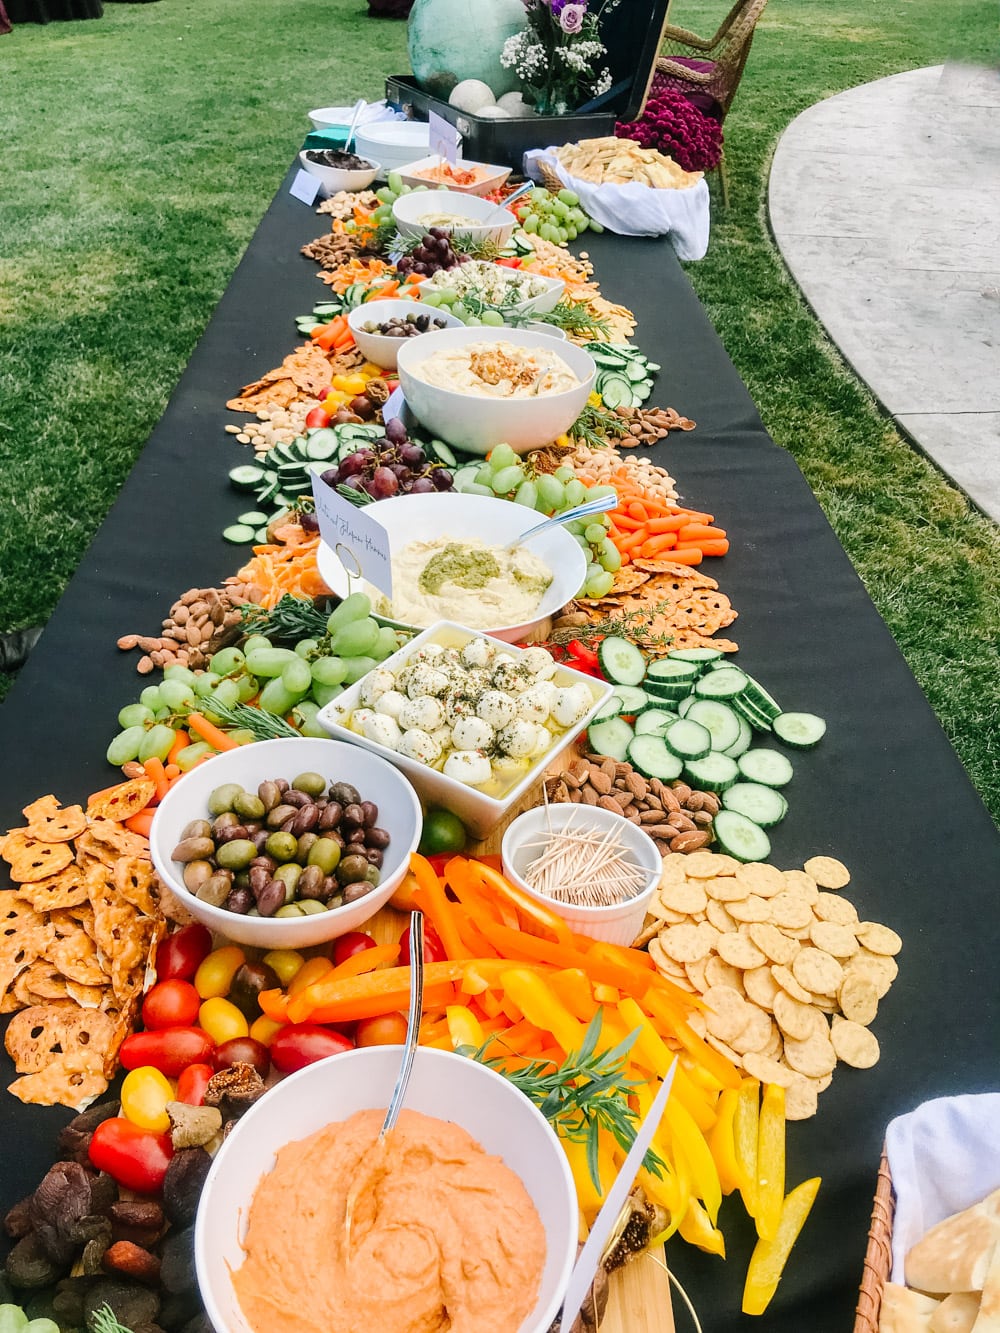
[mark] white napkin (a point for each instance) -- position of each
(638, 210)
(944, 1157)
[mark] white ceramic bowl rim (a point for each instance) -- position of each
(447, 338)
(381, 311)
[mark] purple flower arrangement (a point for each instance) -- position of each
(673, 126)
(556, 55)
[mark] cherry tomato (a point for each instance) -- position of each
(136, 1158)
(403, 899)
(243, 1050)
(144, 1096)
(192, 1084)
(385, 1030)
(170, 1051)
(325, 393)
(216, 972)
(303, 1044)
(170, 1004)
(319, 416)
(265, 1030)
(180, 953)
(222, 1020)
(434, 951)
(355, 941)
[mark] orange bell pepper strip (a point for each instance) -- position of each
(431, 898)
(472, 937)
(574, 991)
(659, 1008)
(540, 1006)
(770, 1161)
(526, 907)
(141, 822)
(746, 1124)
(365, 961)
(274, 1003)
(769, 1256)
(332, 1000)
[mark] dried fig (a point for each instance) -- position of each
(182, 1184)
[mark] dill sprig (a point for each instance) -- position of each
(596, 427)
(588, 1092)
(626, 625)
(291, 619)
(241, 717)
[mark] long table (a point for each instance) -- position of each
(884, 792)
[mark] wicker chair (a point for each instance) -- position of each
(709, 69)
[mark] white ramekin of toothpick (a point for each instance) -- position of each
(595, 869)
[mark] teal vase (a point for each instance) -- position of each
(452, 40)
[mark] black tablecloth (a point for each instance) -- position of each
(44, 11)
(884, 792)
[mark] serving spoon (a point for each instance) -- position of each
(359, 106)
(505, 204)
(598, 506)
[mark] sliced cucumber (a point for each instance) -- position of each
(616, 390)
(769, 767)
(633, 699)
(763, 805)
(720, 721)
(686, 704)
(612, 707)
(716, 772)
(239, 534)
(662, 689)
(751, 713)
(799, 730)
(650, 757)
(744, 742)
(700, 656)
(725, 683)
(688, 740)
(741, 837)
(610, 737)
(756, 695)
(668, 671)
(246, 477)
(620, 661)
(253, 518)
(442, 453)
(322, 445)
(653, 721)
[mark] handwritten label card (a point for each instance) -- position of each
(445, 138)
(305, 187)
(359, 541)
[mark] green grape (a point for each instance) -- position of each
(329, 670)
(460, 311)
(564, 474)
(248, 687)
(560, 209)
(205, 683)
(576, 526)
(227, 693)
(596, 491)
(448, 296)
(383, 213)
(568, 197)
(484, 476)
(578, 217)
(324, 694)
(157, 743)
(610, 557)
(254, 642)
(306, 709)
(595, 226)
(593, 569)
(386, 645)
(355, 607)
(474, 488)
(134, 715)
(601, 584)
(305, 646)
(549, 233)
(242, 736)
(270, 662)
(431, 298)
(527, 495)
(358, 667)
(175, 694)
(576, 493)
(162, 714)
(297, 678)
(179, 673)
(125, 745)
(275, 698)
(150, 696)
(395, 183)
(189, 756)
(529, 223)
(503, 456)
(507, 479)
(492, 318)
(226, 660)
(386, 195)
(473, 321)
(594, 532)
(550, 491)
(581, 541)
(356, 639)
(571, 232)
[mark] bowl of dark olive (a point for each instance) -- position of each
(286, 843)
(381, 327)
(338, 170)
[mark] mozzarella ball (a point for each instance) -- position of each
(539, 662)
(468, 766)
(471, 733)
(374, 685)
(496, 708)
(509, 675)
(442, 736)
(543, 740)
(517, 738)
(571, 704)
(425, 713)
(478, 653)
(535, 704)
(391, 703)
(416, 744)
(383, 730)
(458, 704)
(359, 717)
(426, 680)
(428, 655)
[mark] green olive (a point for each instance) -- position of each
(223, 797)
(351, 868)
(236, 855)
(324, 853)
(313, 784)
(373, 875)
(289, 874)
(249, 806)
(306, 843)
(309, 906)
(282, 846)
(291, 909)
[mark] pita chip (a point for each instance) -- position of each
(955, 1255)
(956, 1313)
(988, 1319)
(905, 1311)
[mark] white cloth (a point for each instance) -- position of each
(637, 210)
(944, 1157)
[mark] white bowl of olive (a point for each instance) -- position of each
(286, 843)
(380, 328)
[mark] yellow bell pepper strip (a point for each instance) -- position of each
(464, 1028)
(722, 1145)
(746, 1125)
(365, 961)
(489, 1002)
(769, 1256)
(575, 992)
(697, 1229)
(432, 900)
(688, 1140)
(670, 1192)
(695, 1101)
(587, 1196)
(540, 1006)
(661, 1010)
(650, 1048)
(606, 994)
(770, 1161)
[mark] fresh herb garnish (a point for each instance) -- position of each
(264, 726)
(596, 426)
(575, 317)
(104, 1321)
(355, 495)
(291, 619)
(627, 626)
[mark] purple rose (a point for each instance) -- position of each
(571, 18)
(557, 7)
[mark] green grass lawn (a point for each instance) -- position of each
(141, 150)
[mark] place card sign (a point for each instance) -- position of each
(444, 137)
(305, 187)
(358, 540)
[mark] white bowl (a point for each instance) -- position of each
(546, 299)
(332, 117)
(446, 1086)
(618, 924)
(548, 330)
(494, 178)
(376, 347)
(393, 142)
(399, 812)
(338, 178)
(411, 518)
(489, 222)
(476, 423)
(479, 812)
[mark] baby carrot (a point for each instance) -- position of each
(154, 771)
(694, 516)
(216, 738)
(171, 771)
(691, 555)
(181, 741)
(629, 524)
(654, 545)
(693, 532)
(707, 548)
(637, 510)
(668, 523)
(140, 823)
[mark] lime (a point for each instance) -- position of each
(443, 832)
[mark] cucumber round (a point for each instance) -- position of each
(765, 806)
(688, 740)
(722, 724)
(725, 683)
(768, 767)
(741, 837)
(240, 534)
(799, 730)
(716, 772)
(620, 661)
(610, 737)
(649, 756)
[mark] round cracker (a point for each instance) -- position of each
(761, 986)
(799, 882)
(801, 1099)
(686, 943)
(797, 1021)
(791, 910)
(831, 907)
(878, 968)
(858, 996)
(772, 942)
(696, 1022)
(828, 872)
(879, 939)
(740, 951)
(751, 908)
(687, 896)
(706, 865)
(725, 888)
(785, 979)
(696, 975)
(813, 1057)
(724, 1049)
(840, 941)
(662, 962)
(719, 916)
(818, 971)
(857, 1046)
(756, 1034)
(766, 1070)
(727, 1014)
(760, 878)
(720, 973)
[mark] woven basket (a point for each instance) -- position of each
(549, 178)
(878, 1256)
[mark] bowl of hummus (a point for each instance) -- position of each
(462, 214)
(466, 1219)
(476, 388)
(450, 562)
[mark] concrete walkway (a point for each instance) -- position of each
(885, 203)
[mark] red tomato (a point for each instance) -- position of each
(136, 1158)
(508, 263)
(243, 1050)
(192, 1083)
(355, 941)
(438, 862)
(169, 1051)
(180, 954)
(319, 416)
(385, 1030)
(171, 1004)
(434, 951)
(303, 1044)
(324, 393)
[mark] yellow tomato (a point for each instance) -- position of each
(308, 973)
(222, 1020)
(144, 1096)
(285, 962)
(215, 973)
(265, 1030)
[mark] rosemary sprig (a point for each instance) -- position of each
(265, 726)
(292, 619)
(588, 1092)
(596, 427)
(575, 317)
(355, 495)
(626, 625)
(104, 1321)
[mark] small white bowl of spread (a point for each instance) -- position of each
(461, 214)
(491, 1216)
